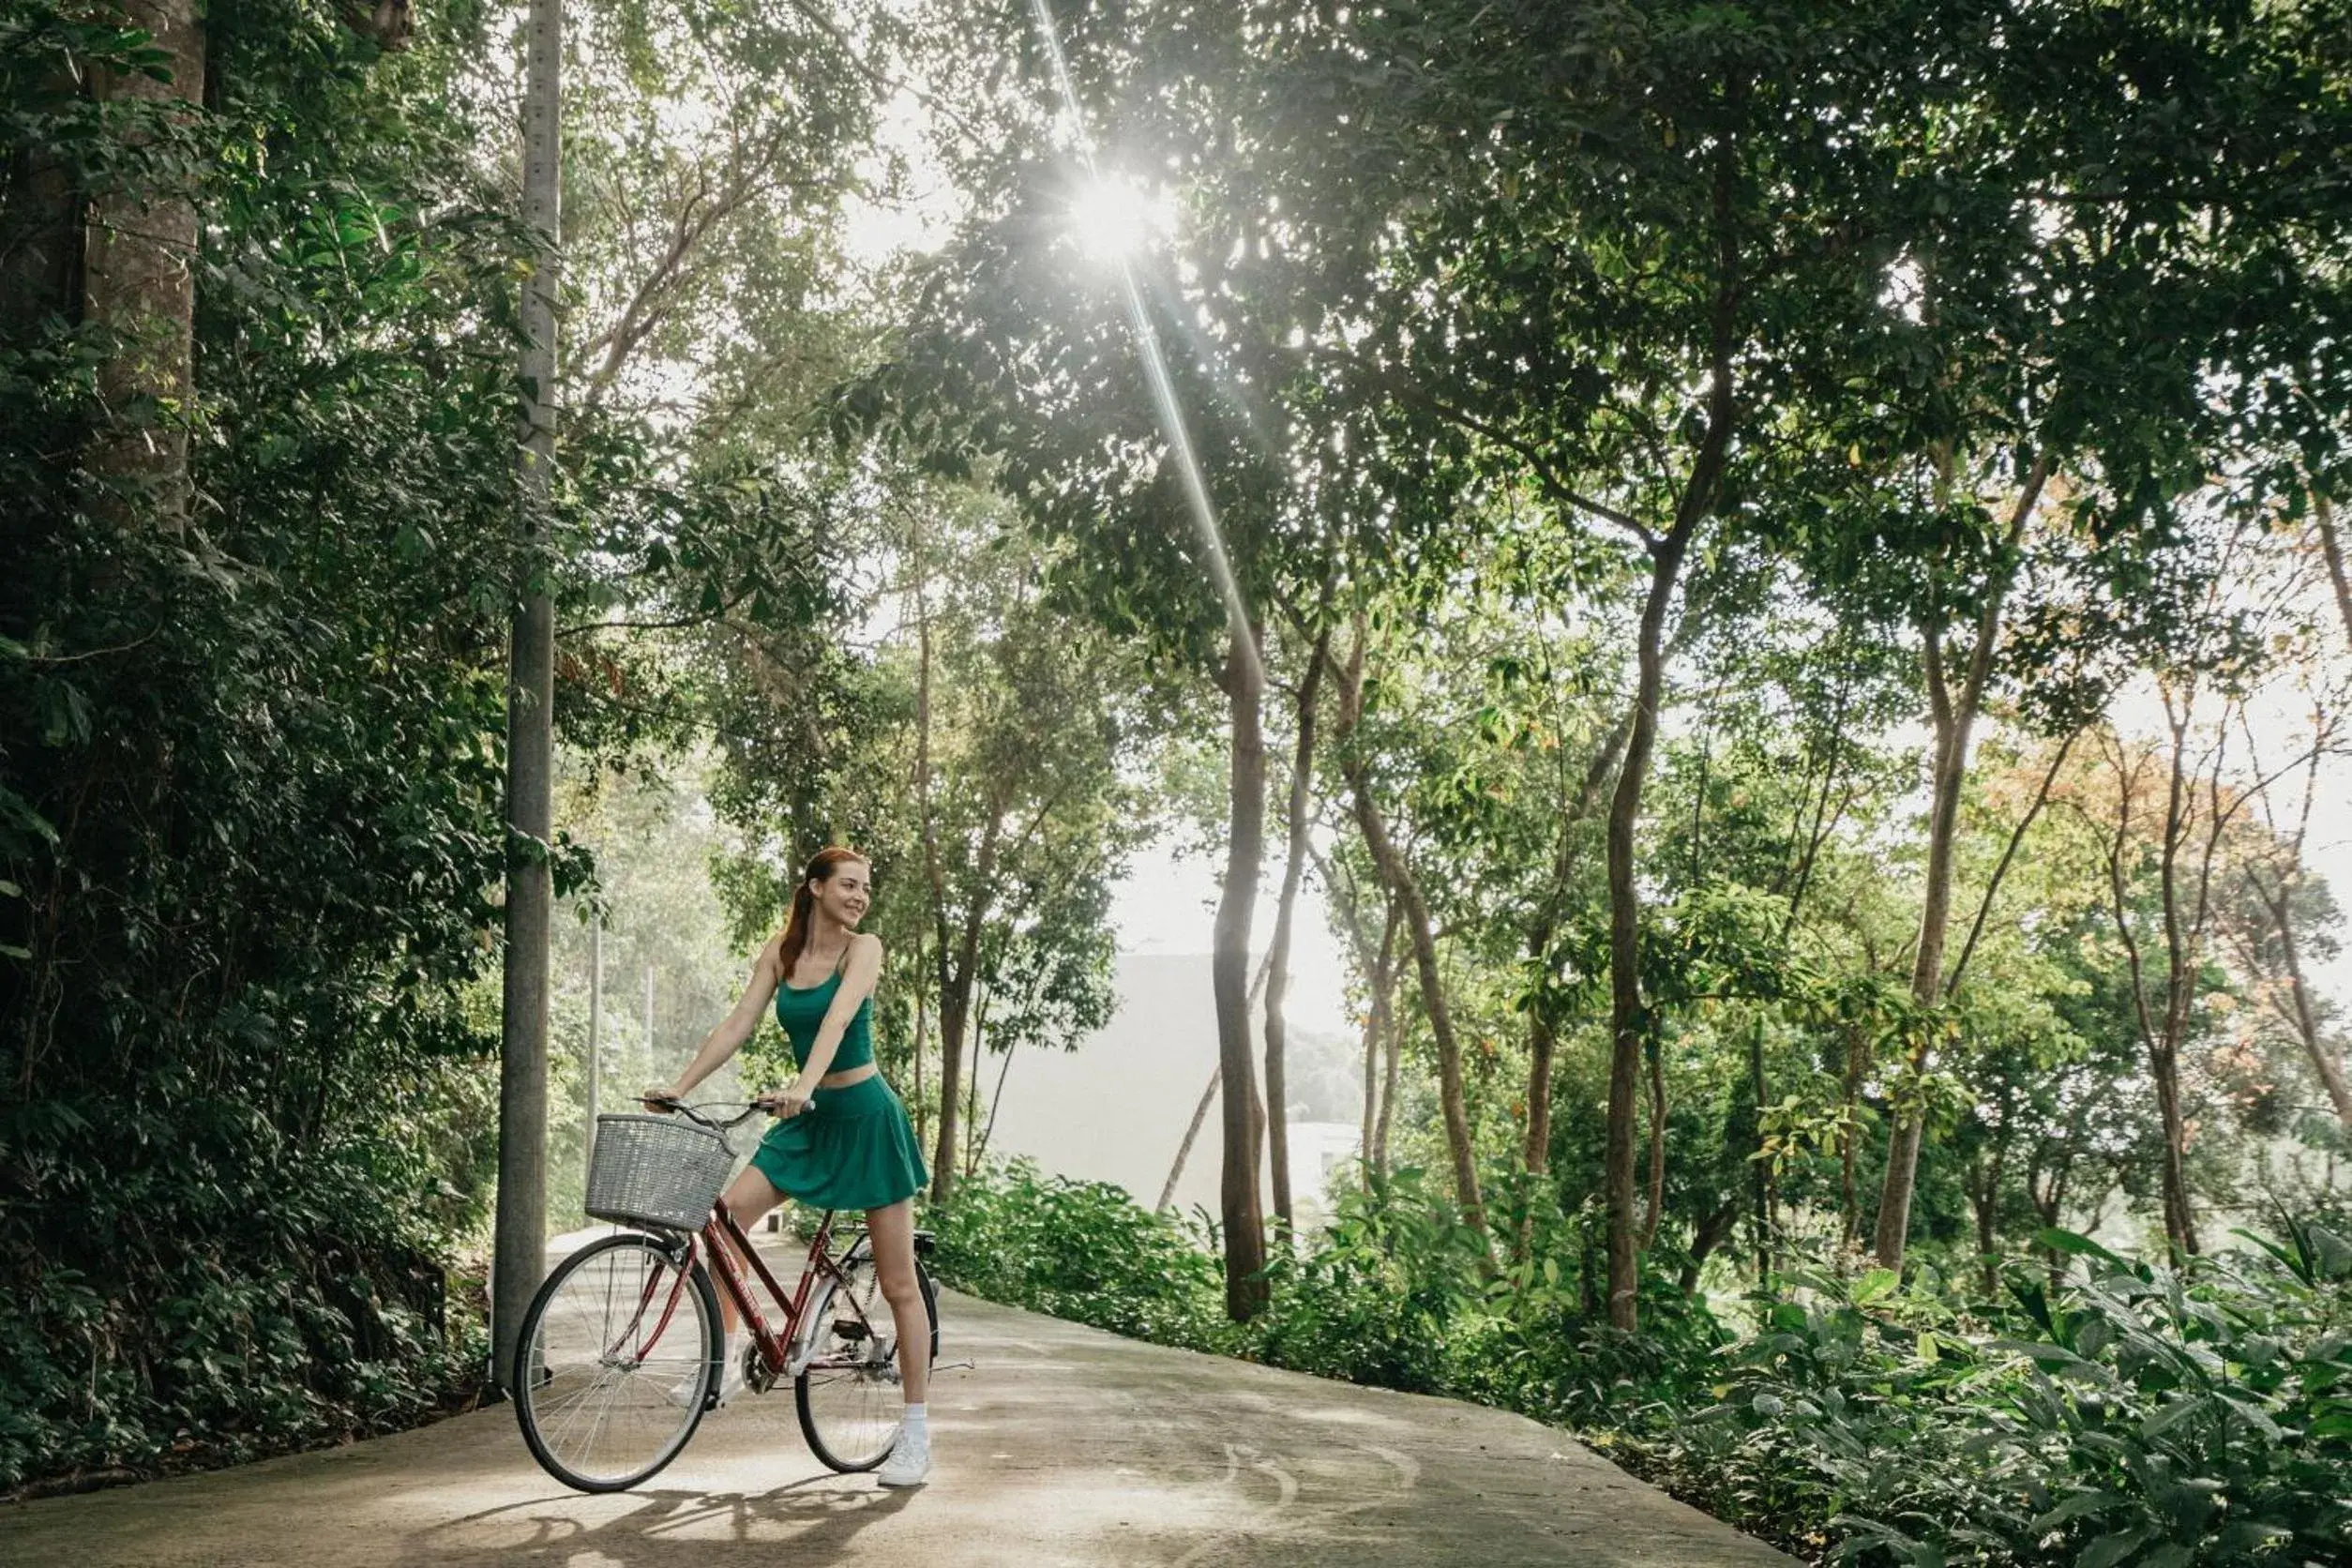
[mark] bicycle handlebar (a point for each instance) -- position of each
(694, 1113)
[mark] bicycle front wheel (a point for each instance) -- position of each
(851, 1397)
(622, 1346)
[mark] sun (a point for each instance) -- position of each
(1113, 219)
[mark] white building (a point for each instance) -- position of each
(1116, 1109)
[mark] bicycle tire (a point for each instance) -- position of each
(841, 1395)
(577, 1378)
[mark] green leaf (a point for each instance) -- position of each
(2075, 1507)
(2108, 1550)
(2076, 1244)
(1877, 1283)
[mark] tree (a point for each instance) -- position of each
(2293, 911)
(249, 790)
(1397, 878)
(1517, 314)
(139, 266)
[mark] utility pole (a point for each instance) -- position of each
(596, 1038)
(520, 1243)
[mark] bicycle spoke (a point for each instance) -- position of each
(851, 1397)
(597, 1414)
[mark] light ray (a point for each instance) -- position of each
(1172, 416)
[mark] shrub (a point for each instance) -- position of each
(2135, 1413)
(1080, 1250)
(2129, 1414)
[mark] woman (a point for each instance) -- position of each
(842, 1140)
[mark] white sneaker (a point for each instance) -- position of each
(681, 1392)
(910, 1462)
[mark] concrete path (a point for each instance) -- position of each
(1065, 1445)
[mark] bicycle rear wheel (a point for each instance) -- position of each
(850, 1398)
(623, 1346)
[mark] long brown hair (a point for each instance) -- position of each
(821, 868)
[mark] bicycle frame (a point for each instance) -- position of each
(775, 1345)
(724, 1261)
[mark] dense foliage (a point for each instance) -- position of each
(2104, 1412)
(253, 830)
(250, 761)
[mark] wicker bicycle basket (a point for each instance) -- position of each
(662, 1172)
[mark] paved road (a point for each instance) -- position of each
(1063, 1445)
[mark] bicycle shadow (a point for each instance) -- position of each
(812, 1520)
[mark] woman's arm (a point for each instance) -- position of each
(858, 976)
(733, 1030)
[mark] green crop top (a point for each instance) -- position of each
(801, 1011)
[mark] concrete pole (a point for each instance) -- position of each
(596, 1039)
(519, 1247)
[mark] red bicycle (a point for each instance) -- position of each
(623, 1341)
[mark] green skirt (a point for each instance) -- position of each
(852, 1148)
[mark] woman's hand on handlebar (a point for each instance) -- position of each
(783, 1103)
(663, 1101)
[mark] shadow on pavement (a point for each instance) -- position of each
(812, 1520)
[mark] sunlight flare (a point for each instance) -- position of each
(1113, 219)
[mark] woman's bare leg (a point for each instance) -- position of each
(749, 1197)
(892, 1230)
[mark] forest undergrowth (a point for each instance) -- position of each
(2101, 1411)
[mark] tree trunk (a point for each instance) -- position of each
(972, 1094)
(1849, 1131)
(1629, 1023)
(1372, 1146)
(1192, 1135)
(1954, 716)
(519, 1241)
(2161, 1037)
(1543, 1044)
(1709, 1235)
(958, 952)
(2324, 514)
(1377, 964)
(1543, 1038)
(933, 876)
(922, 1044)
(956, 980)
(953, 1011)
(1985, 1196)
(996, 1098)
(139, 281)
(1393, 1067)
(2180, 1221)
(2183, 959)
(2323, 1061)
(1760, 1169)
(1200, 1114)
(1278, 956)
(1655, 1207)
(592, 1068)
(40, 262)
(1244, 1214)
(1397, 877)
